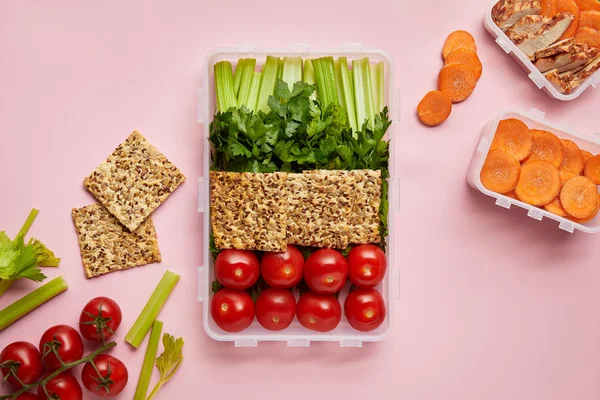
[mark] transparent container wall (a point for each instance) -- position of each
(296, 335)
(534, 119)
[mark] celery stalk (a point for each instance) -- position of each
(267, 84)
(363, 93)
(325, 76)
(151, 310)
(224, 86)
(237, 75)
(280, 69)
(308, 76)
(378, 85)
(338, 83)
(252, 98)
(31, 301)
(292, 71)
(347, 89)
(246, 81)
(148, 365)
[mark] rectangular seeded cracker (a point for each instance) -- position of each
(247, 210)
(134, 181)
(366, 198)
(107, 246)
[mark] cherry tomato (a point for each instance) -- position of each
(27, 396)
(24, 359)
(232, 310)
(113, 378)
(64, 386)
(366, 265)
(100, 316)
(365, 309)
(67, 343)
(237, 269)
(318, 312)
(275, 309)
(282, 270)
(325, 271)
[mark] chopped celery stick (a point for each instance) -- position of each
(31, 301)
(224, 86)
(338, 83)
(151, 309)
(237, 75)
(148, 365)
(363, 93)
(292, 71)
(252, 98)
(246, 81)
(378, 85)
(267, 84)
(308, 76)
(347, 89)
(280, 69)
(325, 76)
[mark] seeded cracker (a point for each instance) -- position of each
(134, 181)
(107, 246)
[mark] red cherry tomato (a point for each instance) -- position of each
(326, 271)
(27, 396)
(67, 343)
(275, 309)
(365, 309)
(100, 316)
(282, 270)
(113, 377)
(319, 313)
(237, 269)
(64, 386)
(366, 265)
(24, 359)
(232, 310)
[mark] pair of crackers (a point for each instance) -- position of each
(119, 233)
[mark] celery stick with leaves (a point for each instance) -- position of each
(23, 260)
(168, 362)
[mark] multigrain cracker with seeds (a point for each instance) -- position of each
(134, 181)
(364, 219)
(107, 246)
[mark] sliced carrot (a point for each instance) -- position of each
(512, 195)
(457, 40)
(592, 169)
(590, 19)
(435, 108)
(588, 5)
(579, 197)
(500, 172)
(569, 6)
(591, 217)
(539, 183)
(555, 207)
(548, 8)
(468, 57)
(588, 36)
(456, 81)
(586, 156)
(513, 136)
(572, 164)
(546, 146)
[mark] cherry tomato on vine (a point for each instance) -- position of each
(232, 310)
(24, 359)
(27, 396)
(282, 270)
(66, 341)
(113, 376)
(365, 309)
(320, 313)
(100, 316)
(325, 271)
(366, 265)
(237, 269)
(275, 309)
(64, 386)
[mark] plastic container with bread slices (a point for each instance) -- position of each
(534, 119)
(296, 334)
(534, 74)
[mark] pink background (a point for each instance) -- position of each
(493, 305)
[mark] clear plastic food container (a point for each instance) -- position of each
(295, 334)
(534, 74)
(534, 119)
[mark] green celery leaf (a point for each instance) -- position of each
(282, 91)
(237, 149)
(45, 257)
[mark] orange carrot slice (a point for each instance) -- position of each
(586, 156)
(592, 169)
(588, 36)
(579, 197)
(468, 57)
(435, 108)
(572, 164)
(457, 40)
(513, 136)
(512, 195)
(555, 207)
(546, 146)
(590, 19)
(539, 183)
(569, 6)
(456, 81)
(548, 8)
(500, 172)
(588, 5)
(591, 217)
